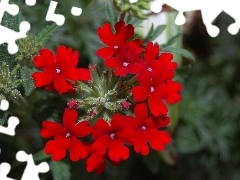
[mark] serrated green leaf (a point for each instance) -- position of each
(179, 51)
(171, 40)
(109, 13)
(60, 170)
(45, 34)
(27, 81)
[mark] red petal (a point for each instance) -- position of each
(82, 129)
(117, 123)
(57, 148)
(77, 149)
(75, 74)
(100, 128)
(112, 62)
(172, 90)
(141, 112)
(96, 163)
(144, 79)
(121, 71)
(117, 151)
(157, 106)
(60, 84)
(158, 139)
(141, 145)
(72, 60)
(105, 52)
(43, 78)
(140, 93)
(106, 35)
(123, 33)
(51, 129)
(137, 44)
(151, 53)
(69, 118)
(101, 145)
(134, 68)
(45, 59)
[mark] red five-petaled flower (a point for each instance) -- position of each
(65, 137)
(110, 139)
(146, 129)
(58, 69)
(121, 54)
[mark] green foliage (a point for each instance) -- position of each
(45, 34)
(183, 52)
(27, 81)
(9, 81)
(153, 33)
(135, 9)
(60, 170)
(110, 13)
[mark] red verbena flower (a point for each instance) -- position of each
(160, 67)
(58, 69)
(121, 54)
(65, 137)
(110, 139)
(146, 129)
(155, 93)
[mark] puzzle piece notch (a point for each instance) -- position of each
(4, 105)
(30, 2)
(59, 19)
(4, 170)
(31, 171)
(12, 9)
(209, 9)
(10, 130)
(76, 11)
(9, 36)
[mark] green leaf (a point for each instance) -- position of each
(109, 13)
(171, 40)
(60, 170)
(179, 51)
(157, 32)
(149, 33)
(27, 81)
(40, 156)
(45, 34)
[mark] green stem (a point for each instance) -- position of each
(122, 16)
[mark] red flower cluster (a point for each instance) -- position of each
(111, 141)
(58, 70)
(121, 54)
(156, 82)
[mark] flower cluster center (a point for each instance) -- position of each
(58, 71)
(112, 136)
(151, 89)
(125, 64)
(68, 135)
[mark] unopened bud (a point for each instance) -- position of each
(73, 104)
(125, 104)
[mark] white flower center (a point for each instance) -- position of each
(112, 136)
(143, 128)
(68, 135)
(115, 47)
(125, 64)
(151, 89)
(58, 71)
(150, 69)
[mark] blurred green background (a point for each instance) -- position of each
(206, 140)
